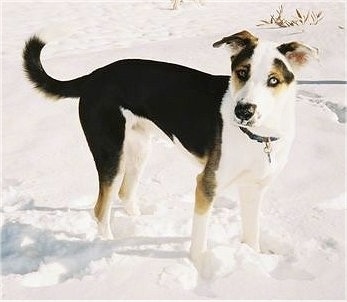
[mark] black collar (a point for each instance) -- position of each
(259, 139)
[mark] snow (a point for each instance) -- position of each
(49, 243)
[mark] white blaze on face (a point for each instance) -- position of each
(268, 85)
(262, 86)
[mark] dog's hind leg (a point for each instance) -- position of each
(104, 126)
(103, 207)
(136, 150)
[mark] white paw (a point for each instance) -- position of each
(104, 230)
(197, 258)
(215, 263)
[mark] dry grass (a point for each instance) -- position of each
(301, 18)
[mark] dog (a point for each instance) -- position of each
(238, 128)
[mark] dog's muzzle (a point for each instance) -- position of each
(245, 111)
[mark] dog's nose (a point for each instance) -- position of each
(245, 111)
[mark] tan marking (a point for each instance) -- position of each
(247, 36)
(203, 201)
(124, 189)
(234, 80)
(236, 83)
(206, 181)
(238, 40)
(279, 89)
(100, 206)
(201, 159)
(277, 73)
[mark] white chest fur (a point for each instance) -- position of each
(243, 160)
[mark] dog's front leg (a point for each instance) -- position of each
(250, 202)
(204, 195)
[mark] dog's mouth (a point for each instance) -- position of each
(243, 123)
(255, 127)
(247, 123)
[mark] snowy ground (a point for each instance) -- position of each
(49, 245)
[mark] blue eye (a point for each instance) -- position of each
(273, 82)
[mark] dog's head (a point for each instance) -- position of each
(262, 77)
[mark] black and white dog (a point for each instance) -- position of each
(239, 128)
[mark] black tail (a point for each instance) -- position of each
(37, 75)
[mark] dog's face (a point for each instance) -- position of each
(262, 78)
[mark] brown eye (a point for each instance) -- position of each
(273, 82)
(242, 74)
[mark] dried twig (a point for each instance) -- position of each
(301, 18)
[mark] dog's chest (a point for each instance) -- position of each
(244, 162)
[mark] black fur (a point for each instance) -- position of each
(287, 47)
(245, 54)
(183, 102)
(37, 75)
(287, 75)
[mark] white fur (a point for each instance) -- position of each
(199, 237)
(137, 146)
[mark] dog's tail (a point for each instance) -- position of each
(42, 81)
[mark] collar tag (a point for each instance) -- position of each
(268, 149)
(261, 139)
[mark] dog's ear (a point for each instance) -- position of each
(237, 42)
(298, 54)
